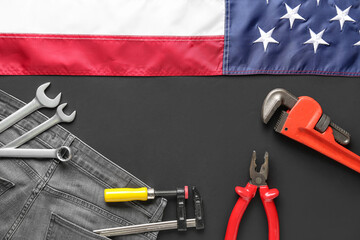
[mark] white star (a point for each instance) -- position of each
(316, 39)
(265, 38)
(358, 43)
(292, 14)
(342, 16)
(318, 2)
(267, 1)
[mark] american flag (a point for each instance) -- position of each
(179, 37)
(292, 36)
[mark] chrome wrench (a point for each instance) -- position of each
(40, 101)
(59, 117)
(63, 153)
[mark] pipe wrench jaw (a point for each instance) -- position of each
(304, 112)
(306, 123)
(304, 116)
(274, 100)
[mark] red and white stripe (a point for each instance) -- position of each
(111, 37)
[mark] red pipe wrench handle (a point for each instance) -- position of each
(300, 126)
(246, 194)
(267, 197)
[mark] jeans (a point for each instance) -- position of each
(52, 200)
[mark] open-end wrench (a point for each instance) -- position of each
(59, 117)
(40, 101)
(63, 153)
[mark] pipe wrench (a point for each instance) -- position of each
(305, 122)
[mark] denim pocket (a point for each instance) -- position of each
(5, 185)
(62, 229)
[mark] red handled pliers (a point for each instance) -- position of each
(258, 180)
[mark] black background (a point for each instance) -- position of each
(175, 131)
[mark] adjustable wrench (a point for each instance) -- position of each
(40, 101)
(63, 153)
(59, 117)
(305, 122)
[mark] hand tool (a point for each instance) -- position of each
(305, 122)
(143, 194)
(140, 194)
(258, 180)
(59, 117)
(197, 222)
(63, 153)
(40, 101)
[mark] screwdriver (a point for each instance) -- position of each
(181, 223)
(141, 194)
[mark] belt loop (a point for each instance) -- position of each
(69, 140)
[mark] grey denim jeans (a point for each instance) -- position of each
(52, 200)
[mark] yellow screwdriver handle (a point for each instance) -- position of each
(125, 194)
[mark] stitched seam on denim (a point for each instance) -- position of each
(6, 183)
(10, 97)
(137, 206)
(49, 229)
(94, 151)
(160, 207)
(65, 223)
(99, 155)
(143, 210)
(20, 217)
(132, 177)
(88, 206)
(78, 167)
(5, 190)
(103, 183)
(5, 186)
(16, 125)
(111, 162)
(27, 169)
(30, 201)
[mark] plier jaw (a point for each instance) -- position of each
(257, 180)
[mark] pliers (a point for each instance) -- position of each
(257, 180)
